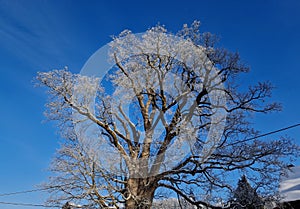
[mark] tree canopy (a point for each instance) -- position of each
(168, 118)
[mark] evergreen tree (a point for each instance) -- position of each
(245, 196)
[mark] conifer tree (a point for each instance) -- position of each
(245, 196)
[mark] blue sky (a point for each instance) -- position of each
(40, 35)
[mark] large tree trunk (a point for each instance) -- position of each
(140, 193)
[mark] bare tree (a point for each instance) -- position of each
(170, 118)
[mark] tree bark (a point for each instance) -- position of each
(140, 193)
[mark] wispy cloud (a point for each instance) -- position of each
(32, 32)
(290, 186)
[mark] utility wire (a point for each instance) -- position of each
(28, 204)
(22, 192)
(29, 191)
(265, 134)
(43, 189)
(32, 190)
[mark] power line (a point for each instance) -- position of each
(28, 204)
(44, 189)
(32, 190)
(265, 134)
(22, 192)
